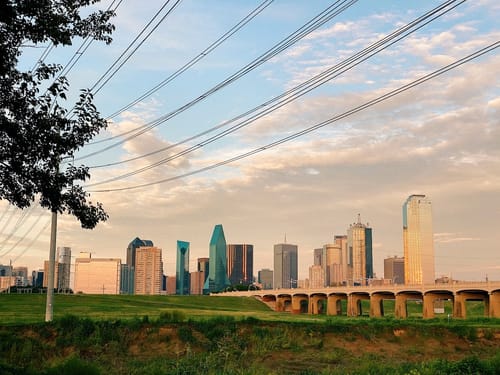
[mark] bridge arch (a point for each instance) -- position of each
(433, 296)
(462, 296)
(354, 303)
(334, 303)
(402, 297)
(316, 301)
(300, 303)
(377, 302)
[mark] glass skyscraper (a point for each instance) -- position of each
(217, 270)
(240, 264)
(285, 266)
(182, 268)
(418, 240)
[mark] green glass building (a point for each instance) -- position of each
(182, 268)
(217, 270)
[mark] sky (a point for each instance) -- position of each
(440, 138)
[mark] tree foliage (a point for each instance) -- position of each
(36, 130)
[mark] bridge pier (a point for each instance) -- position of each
(461, 298)
(281, 303)
(314, 303)
(400, 308)
(376, 305)
(495, 304)
(334, 304)
(429, 302)
(297, 303)
(354, 307)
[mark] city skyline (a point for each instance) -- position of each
(439, 138)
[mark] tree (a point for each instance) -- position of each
(36, 131)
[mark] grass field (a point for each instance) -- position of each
(30, 308)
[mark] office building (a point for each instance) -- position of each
(148, 270)
(170, 285)
(132, 247)
(217, 271)
(203, 266)
(46, 274)
(182, 268)
(418, 240)
(127, 274)
(265, 278)
(97, 275)
(197, 279)
(316, 276)
(240, 264)
(394, 270)
(341, 241)
(37, 278)
(63, 265)
(318, 257)
(21, 276)
(285, 266)
(359, 247)
(333, 267)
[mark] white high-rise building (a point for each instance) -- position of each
(418, 240)
(97, 275)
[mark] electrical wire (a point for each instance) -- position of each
(310, 129)
(32, 241)
(23, 236)
(44, 55)
(326, 15)
(189, 64)
(111, 71)
(297, 92)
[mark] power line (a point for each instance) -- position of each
(44, 55)
(87, 41)
(111, 71)
(24, 236)
(310, 129)
(297, 92)
(326, 15)
(32, 241)
(189, 64)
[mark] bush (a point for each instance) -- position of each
(74, 366)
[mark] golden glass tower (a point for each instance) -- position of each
(418, 240)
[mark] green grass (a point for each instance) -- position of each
(30, 308)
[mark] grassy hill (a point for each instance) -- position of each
(101, 334)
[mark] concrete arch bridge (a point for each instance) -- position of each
(312, 301)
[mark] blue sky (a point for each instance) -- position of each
(440, 139)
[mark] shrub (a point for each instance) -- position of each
(74, 366)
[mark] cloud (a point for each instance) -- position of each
(452, 238)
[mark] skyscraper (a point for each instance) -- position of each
(285, 266)
(203, 266)
(217, 271)
(240, 264)
(132, 247)
(64, 267)
(418, 240)
(265, 278)
(333, 266)
(394, 270)
(148, 270)
(359, 247)
(182, 268)
(127, 274)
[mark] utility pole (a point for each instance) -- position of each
(51, 271)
